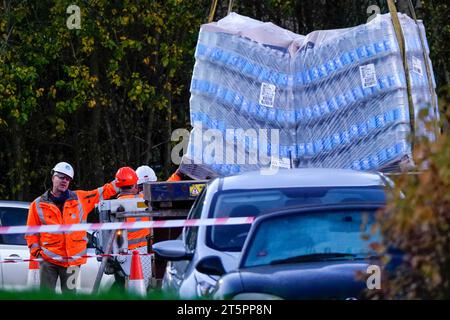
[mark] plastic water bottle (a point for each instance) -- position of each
(345, 46)
(356, 165)
(271, 115)
(234, 169)
(336, 140)
(382, 156)
(318, 146)
(380, 121)
(306, 77)
(299, 115)
(383, 83)
(345, 137)
(362, 128)
(229, 97)
(389, 116)
(307, 113)
(316, 112)
(298, 78)
(332, 64)
(301, 149)
(327, 143)
(290, 117)
(365, 164)
(349, 97)
(373, 161)
(309, 146)
(390, 152)
(371, 123)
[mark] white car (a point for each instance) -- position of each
(13, 276)
(203, 253)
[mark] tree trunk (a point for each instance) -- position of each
(148, 135)
(17, 180)
(77, 148)
(166, 149)
(94, 143)
(106, 123)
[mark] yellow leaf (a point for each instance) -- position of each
(61, 125)
(125, 20)
(39, 92)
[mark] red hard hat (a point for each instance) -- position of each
(126, 176)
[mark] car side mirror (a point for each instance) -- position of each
(211, 265)
(172, 250)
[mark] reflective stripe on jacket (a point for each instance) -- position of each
(136, 238)
(64, 248)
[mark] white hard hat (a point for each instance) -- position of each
(65, 168)
(145, 174)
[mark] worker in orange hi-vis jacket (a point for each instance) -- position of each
(127, 181)
(175, 177)
(147, 174)
(179, 176)
(62, 252)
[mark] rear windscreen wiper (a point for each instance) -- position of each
(314, 257)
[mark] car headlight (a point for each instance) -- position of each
(204, 289)
(170, 276)
(255, 296)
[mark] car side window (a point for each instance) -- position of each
(191, 232)
(13, 217)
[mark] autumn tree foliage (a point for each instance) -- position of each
(105, 95)
(417, 224)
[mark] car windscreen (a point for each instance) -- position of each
(307, 237)
(243, 203)
(13, 217)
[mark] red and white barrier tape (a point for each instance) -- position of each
(16, 260)
(125, 225)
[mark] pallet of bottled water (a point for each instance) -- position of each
(262, 96)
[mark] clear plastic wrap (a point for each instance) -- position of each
(262, 96)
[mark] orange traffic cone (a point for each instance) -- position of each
(33, 279)
(136, 284)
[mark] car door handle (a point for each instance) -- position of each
(13, 257)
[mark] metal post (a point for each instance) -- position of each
(104, 261)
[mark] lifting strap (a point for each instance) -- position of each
(428, 70)
(230, 7)
(401, 44)
(212, 11)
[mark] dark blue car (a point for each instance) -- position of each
(305, 253)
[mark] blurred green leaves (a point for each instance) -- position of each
(418, 224)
